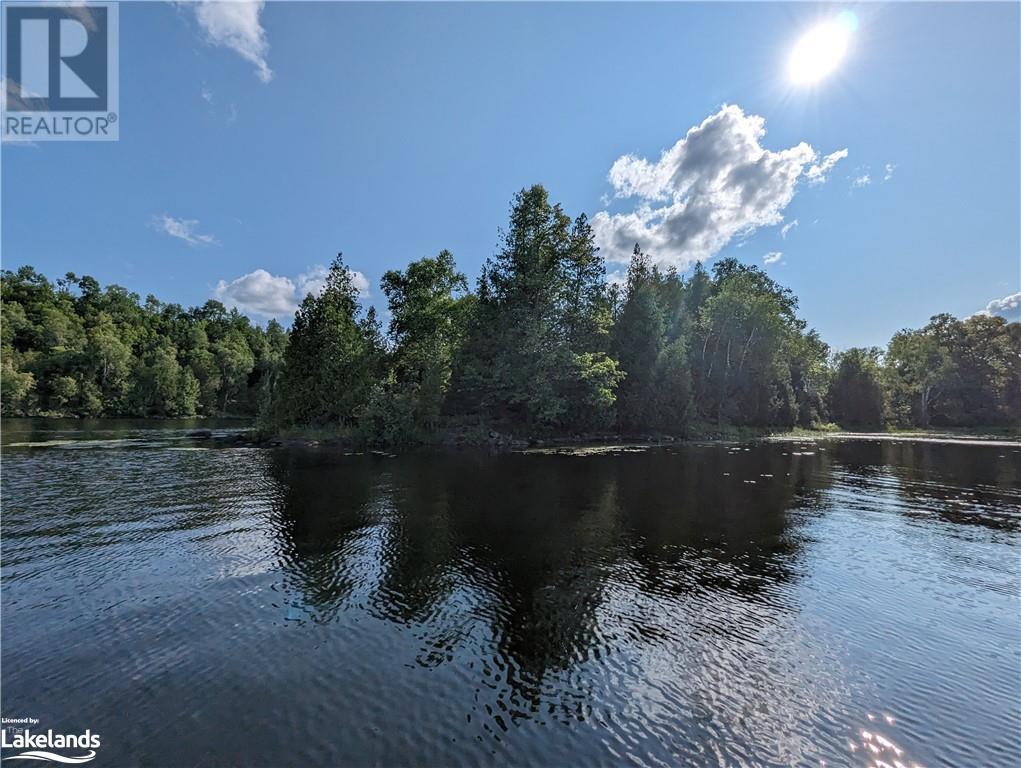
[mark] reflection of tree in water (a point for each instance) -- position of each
(509, 559)
(724, 507)
(420, 554)
(323, 516)
(925, 479)
(504, 551)
(543, 528)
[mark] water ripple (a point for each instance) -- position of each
(767, 604)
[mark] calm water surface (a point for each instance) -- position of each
(755, 604)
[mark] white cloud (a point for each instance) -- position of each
(182, 229)
(267, 295)
(207, 94)
(889, 169)
(713, 185)
(816, 173)
(314, 280)
(616, 278)
(1008, 307)
(786, 228)
(772, 257)
(861, 181)
(258, 293)
(361, 283)
(236, 25)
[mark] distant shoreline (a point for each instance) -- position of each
(248, 434)
(313, 438)
(914, 436)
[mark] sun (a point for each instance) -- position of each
(821, 49)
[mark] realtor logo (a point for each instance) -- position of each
(60, 71)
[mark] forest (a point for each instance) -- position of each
(543, 346)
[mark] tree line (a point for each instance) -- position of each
(542, 346)
(76, 349)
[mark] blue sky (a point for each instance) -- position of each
(269, 138)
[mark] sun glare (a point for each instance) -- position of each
(821, 49)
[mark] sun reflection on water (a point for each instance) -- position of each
(878, 749)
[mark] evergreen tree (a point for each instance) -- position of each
(536, 350)
(638, 338)
(673, 387)
(333, 356)
(544, 346)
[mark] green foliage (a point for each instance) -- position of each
(856, 392)
(391, 415)
(918, 369)
(673, 390)
(638, 339)
(234, 360)
(589, 390)
(537, 342)
(75, 349)
(810, 377)
(334, 356)
(727, 348)
(15, 387)
(270, 364)
(746, 331)
(156, 380)
(543, 347)
(429, 309)
(955, 373)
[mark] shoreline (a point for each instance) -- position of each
(245, 433)
(319, 438)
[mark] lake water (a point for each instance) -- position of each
(769, 603)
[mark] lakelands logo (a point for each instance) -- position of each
(60, 72)
(38, 746)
